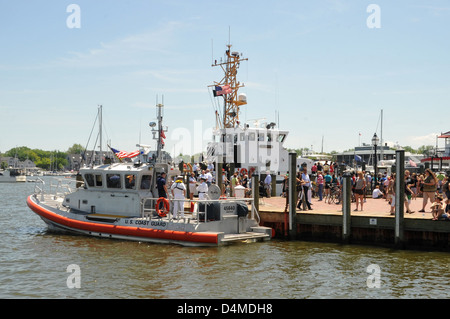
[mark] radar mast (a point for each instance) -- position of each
(228, 87)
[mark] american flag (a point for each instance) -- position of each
(220, 90)
(123, 154)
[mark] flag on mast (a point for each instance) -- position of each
(123, 154)
(221, 90)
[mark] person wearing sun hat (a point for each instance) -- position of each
(179, 192)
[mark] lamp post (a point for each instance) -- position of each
(375, 141)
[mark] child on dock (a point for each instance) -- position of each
(437, 208)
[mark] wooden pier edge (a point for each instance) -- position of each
(418, 234)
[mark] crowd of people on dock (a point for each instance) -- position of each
(431, 187)
(321, 182)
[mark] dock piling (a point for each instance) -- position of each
(255, 191)
(292, 195)
(346, 208)
(399, 197)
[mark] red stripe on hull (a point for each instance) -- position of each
(199, 237)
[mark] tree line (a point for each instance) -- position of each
(46, 160)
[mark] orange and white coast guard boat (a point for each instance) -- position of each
(117, 201)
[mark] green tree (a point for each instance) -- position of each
(43, 159)
(22, 153)
(75, 149)
(426, 149)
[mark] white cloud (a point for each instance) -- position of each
(130, 50)
(417, 141)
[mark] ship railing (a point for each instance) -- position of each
(56, 188)
(39, 188)
(148, 208)
(62, 187)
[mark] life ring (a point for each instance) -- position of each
(223, 197)
(162, 213)
(244, 171)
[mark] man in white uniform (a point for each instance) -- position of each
(179, 192)
(202, 189)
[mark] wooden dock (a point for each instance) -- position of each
(374, 225)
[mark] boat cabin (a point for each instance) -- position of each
(118, 188)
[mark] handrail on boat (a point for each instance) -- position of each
(149, 212)
(39, 190)
(60, 189)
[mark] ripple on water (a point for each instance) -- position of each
(33, 264)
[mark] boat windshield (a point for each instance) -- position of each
(113, 181)
(145, 181)
(130, 181)
(281, 138)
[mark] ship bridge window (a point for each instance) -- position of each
(89, 179)
(269, 137)
(98, 180)
(113, 181)
(261, 137)
(251, 136)
(281, 138)
(242, 137)
(130, 181)
(145, 181)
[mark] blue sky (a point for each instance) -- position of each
(317, 63)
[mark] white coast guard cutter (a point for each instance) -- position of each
(255, 147)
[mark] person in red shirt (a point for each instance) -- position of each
(320, 184)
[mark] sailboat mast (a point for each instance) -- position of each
(100, 131)
(381, 137)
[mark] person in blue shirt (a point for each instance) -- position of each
(268, 184)
(161, 185)
(328, 181)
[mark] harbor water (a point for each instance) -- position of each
(35, 263)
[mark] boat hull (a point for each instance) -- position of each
(13, 179)
(60, 221)
(162, 231)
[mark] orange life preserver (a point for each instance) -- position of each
(223, 197)
(166, 209)
(244, 171)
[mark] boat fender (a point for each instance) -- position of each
(166, 209)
